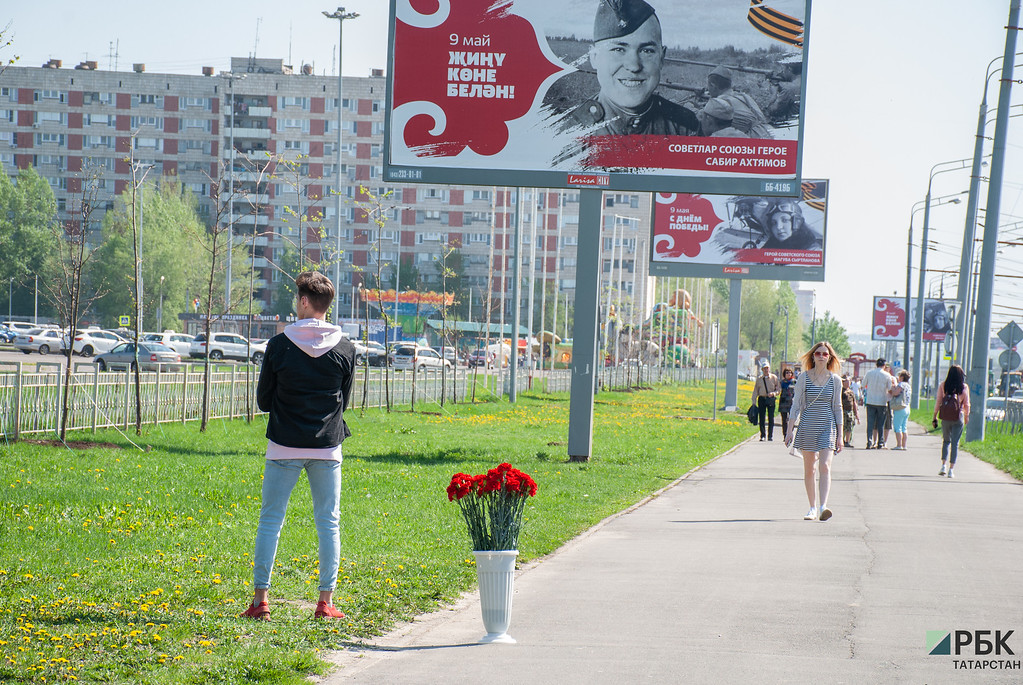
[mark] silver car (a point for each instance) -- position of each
(417, 357)
(179, 342)
(41, 340)
(152, 357)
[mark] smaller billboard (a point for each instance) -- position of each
(740, 236)
(889, 318)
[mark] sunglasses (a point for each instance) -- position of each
(821, 353)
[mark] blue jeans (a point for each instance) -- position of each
(279, 478)
(951, 431)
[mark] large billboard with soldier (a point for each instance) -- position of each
(620, 94)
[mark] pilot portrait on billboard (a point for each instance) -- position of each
(677, 88)
(742, 230)
(936, 318)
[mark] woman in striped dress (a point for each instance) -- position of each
(817, 409)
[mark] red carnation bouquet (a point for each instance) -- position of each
(492, 504)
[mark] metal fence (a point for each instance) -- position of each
(31, 394)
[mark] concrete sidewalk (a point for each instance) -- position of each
(719, 580)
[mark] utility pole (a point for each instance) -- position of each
(977, 378)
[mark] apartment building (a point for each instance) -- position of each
(62, 121)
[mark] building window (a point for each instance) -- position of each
(58, 95)
(139, 121)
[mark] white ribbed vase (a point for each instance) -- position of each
(496, 573)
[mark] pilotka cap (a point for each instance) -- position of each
(617, 18)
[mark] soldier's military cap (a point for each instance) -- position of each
(617, 18)
(723, 72)
(719, 108)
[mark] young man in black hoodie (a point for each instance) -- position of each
(304, 385)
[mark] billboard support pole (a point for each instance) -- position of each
(584, 331)
(513, 369)
(732, 368)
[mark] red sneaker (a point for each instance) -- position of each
(260, 612)
(324, 610)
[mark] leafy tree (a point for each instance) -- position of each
(763, 302)
(28, 213)
(828, 328)
(169, 250)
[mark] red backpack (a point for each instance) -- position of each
(950, 408)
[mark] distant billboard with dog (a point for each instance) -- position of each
(740, 236)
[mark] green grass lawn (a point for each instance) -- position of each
(131, 564)
(1000, 447)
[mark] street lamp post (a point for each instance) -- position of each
(978, 373)
(231, 78)
(341, 16)
(946, 199)
(138, 260)
(918, 336)
(159, 311)
(783, 308)
(961, 351)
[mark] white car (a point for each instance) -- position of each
(179, 342)
(227, 346)
(417, 357)
(90, 342)
(41, 340)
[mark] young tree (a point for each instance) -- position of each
(376, 209)
(71, 256)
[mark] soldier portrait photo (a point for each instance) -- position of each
(638, 75)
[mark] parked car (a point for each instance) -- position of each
(480, 357)
(42, 340)
(6, 334)
(228, 346)
(994, 408)
(449, 353)
(179, 342)
(417, 357)
(372, 351)
(90, 342)
(22, 326)
(152, 356)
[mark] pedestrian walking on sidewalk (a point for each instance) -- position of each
(304, 385)
(952, 406)
(899, 403)
(817, 423)
(875, 390)
(765, 391)
(788, 389)
(850, 412)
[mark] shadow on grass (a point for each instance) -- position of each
(454, 455)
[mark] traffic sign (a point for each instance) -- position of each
(1011, 334)
(1009, 359)
(124, 321)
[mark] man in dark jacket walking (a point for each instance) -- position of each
(304, 385)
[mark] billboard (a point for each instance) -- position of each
(643, 95)
(740, 236)
(889, 320)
